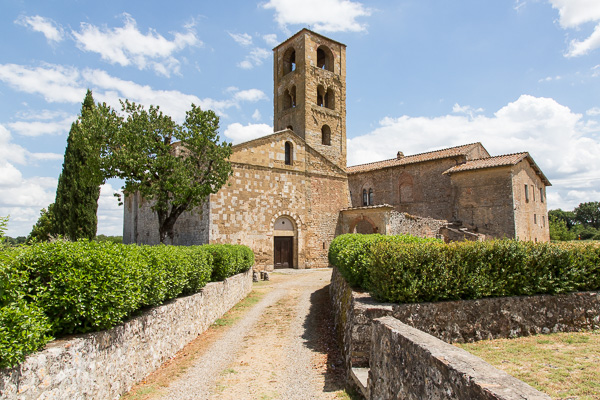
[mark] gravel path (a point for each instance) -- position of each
(280, 349)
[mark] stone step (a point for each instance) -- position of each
(361, 378)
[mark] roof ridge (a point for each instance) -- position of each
(500, 155)
(417, 154)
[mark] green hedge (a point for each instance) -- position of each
(351, 254)
(229, 260)
(397, 271)
(53, 289)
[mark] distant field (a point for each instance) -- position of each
(563, 365)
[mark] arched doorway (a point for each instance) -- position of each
(284, 233)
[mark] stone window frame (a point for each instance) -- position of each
(371, 200)
(324, 58)
(289, 98)
(289, 60)
(365, 198)
(326, 135)
(289, 153)
(541, 194)
(526, 193)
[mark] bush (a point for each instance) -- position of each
(76, 287)
(229, 260)
(402, 271)
(351, 254)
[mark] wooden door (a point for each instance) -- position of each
(284, 254)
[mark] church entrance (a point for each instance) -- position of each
(284, 254)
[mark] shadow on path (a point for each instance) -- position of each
(320, 337)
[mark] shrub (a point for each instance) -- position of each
(229, 260)
(400, 270)
(351, 253)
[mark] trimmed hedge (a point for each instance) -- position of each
(401, 272)
(53, 289)
(351, 254)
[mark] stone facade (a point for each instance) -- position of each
(104, 365)
(298, 177)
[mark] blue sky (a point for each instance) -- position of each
(421, 75)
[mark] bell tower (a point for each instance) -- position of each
(310, 92)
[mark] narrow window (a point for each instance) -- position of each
(293, 95)
(326, 135)
(288, 153)
(542, 195)
(533, 193)
(289, 61)
(544, 221)
(320, 96)
(535, 219)
(370, 197)
(526, 194)
(365, 198)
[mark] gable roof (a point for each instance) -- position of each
(499, 161)
(305, 30)
(416, 158)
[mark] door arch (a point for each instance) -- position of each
(284, 242)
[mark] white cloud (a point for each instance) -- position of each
(48, 27)
(55, 82)
(580, 48)
(110, 214)
(127, 45)
(255, 58)
(251, 95)
(38, 128)
(562, 143)
(68, 85)
(271, 39)
(9, 175)
(256, 115)
(239, 133)
(467, 110)
(593, 111)
(573, 14)
(241, 38)
(322, 15)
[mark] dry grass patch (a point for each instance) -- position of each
(563, 365)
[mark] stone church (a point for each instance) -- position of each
(291, 192)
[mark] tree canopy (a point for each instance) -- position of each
(175, 167)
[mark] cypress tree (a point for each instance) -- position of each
(78, 189)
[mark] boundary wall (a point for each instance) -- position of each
(106, 364)
(448, 321)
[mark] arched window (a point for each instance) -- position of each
(365, 198)
(288, 153)
(371, 197)
(330, 99)
(289, 98)
(324, 58)
(320, 95)
(326, 135)
(289, 61)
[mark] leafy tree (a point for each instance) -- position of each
(568, 217)
(176, 167)
(588, 214)
(78, 190)
(3, 226)
(558, 229)
(44, 229)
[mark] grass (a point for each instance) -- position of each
(562, 365)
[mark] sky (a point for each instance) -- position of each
(516, 75)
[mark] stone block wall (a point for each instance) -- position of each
(407, 363)
(453, 321)
(104, 365)
(531, 213)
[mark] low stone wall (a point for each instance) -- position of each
(406, 224)
(104, 365)
(407, 363)
(456, 321)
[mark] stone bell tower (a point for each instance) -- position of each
(310, 92)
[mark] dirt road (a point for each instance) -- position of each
(278, 344)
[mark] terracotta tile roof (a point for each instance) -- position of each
(416, 158)
(499, 161)
(489, 162)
